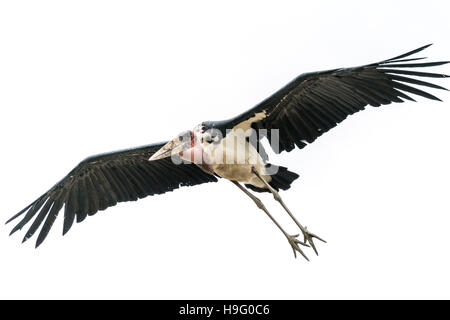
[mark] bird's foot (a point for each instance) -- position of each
(308, 239)
(294, 242)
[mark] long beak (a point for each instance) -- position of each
(172, 147)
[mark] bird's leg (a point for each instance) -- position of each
(308, 236)
(292, 239)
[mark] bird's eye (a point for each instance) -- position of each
(185, 136)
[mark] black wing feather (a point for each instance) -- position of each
(102, 181)
(315, 102)
(71, 208)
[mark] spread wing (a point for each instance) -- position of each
(313, 103)
(102, 181)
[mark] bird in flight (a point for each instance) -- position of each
(294, 116)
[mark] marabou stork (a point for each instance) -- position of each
(294, 116)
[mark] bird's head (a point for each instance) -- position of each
(177, 146)
(189, 145)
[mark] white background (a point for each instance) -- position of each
(84, 77)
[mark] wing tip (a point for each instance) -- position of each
(10, 219)
(22, 211)
(410, 52)
(424, 47)
(14, 230)
(38, 242)
(65, 230)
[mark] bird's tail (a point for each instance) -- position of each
(282, 179)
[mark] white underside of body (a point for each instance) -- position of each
(234, 158)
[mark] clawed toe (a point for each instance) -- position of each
(308, 239)
(294, 242)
